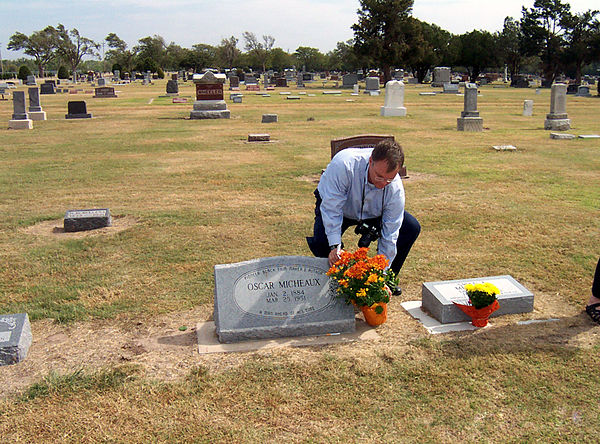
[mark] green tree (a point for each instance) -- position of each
(24, 72)
(477, 52)
(63, 73)
(228, 53)
(41, 45)
(118, 53)
(259, 51)
(153, 48)
(204, 56)
(508, 43)
(280, 59)
(428, 48)
(581, 39)
(343, 57)
(308, 58)
(72, 47)
(381, 32)
(543, 28)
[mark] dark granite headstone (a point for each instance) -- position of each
(77, 110)
(572, 88)
(104, 91)
(172, 87)
(15, 338)
(47, 88)
(19, 112)
(83, 220)
(277, 297)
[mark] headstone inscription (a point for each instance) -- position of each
(20, 120)
(209, 102)
(277, 297)
(469, 119)
(394, 99)
(438, 297)
(84, 220)
(77, 110)
(15, 338)
(104, 92)
(35, 111)
(557, 119)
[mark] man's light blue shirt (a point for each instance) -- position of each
(341, 188)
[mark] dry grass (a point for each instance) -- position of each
(106, 307)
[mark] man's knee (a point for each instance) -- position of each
(411, 228)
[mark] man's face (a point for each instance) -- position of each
(379, 175)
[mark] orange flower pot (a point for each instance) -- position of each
(479, 316)
(372, 317)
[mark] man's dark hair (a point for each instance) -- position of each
(390, 151)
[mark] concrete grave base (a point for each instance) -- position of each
(208, 341)
(473, 124)
(393, 112)
(557, 124)
(37, 115)
(20, 124)
(438, 297)
(562, 136)
(217, 114)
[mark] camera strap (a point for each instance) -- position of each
(362, 203)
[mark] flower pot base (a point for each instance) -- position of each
(479, 316)
(372, 317)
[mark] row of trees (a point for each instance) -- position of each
(548, 39)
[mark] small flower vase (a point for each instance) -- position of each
(372, 317)
(479, 316)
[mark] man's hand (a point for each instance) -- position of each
(334, 255)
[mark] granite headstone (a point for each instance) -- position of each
(277, 297)
(84, 220)
(438, 297)
(15, 338)
(77, 109)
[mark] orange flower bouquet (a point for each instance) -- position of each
(363, 280)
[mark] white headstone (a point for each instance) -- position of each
(394, 99)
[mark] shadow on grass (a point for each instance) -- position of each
(523, 339)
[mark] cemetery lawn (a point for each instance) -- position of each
(114, 311)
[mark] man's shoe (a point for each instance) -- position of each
(395, 289)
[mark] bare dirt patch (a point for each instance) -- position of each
(56, 228)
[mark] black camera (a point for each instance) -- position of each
(368, 233)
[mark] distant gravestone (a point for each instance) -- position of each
(269, 118)
(451, 88)
(31, 81)
(281, 82)
(77, 110)
(47, 88)
(557, 119)
(104, 92)
(583, 91)
(237, 98)
(172, 86)
(371, 84)
(349, 80)
(572, 88)
(300, 81)
(101, 81)
(209, 102)
(234, 82)
(438, 297)
(19, 120)
(441, 75)
(35, 111)
(15, 338)
(469, 119)
(277, 297)
(394, 99)
(259, 137)
(250, 79)
(528, 107)
(84, 220)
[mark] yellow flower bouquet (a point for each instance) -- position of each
(482, 295)
(363, 280)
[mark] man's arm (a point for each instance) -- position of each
(333, 188)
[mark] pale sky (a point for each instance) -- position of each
(314, 23)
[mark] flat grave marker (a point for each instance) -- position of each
(278, 297)
(438, 297)
(15, 338)
(84, 220)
